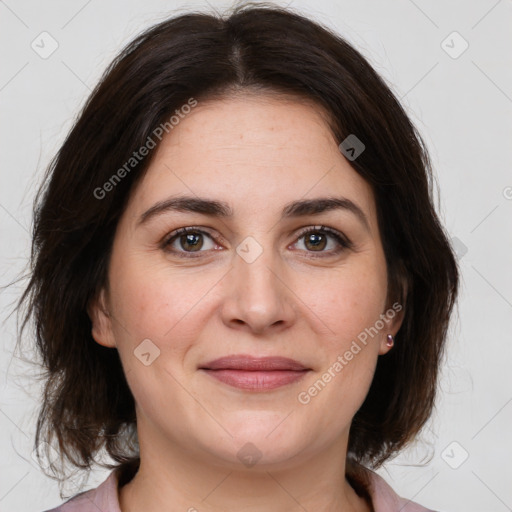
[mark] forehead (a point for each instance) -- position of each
(255, 152)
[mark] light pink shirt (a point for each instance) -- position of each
(104, 498)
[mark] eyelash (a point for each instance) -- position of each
(343, 242)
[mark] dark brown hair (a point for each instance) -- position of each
(87, 405)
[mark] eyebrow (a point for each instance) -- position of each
(220, 209)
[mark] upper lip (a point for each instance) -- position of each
(252, 363)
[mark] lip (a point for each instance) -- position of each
(255, 373)
(252, 363)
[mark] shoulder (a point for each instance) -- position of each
(385, 499)
(104, 497)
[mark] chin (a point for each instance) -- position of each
(260, 438)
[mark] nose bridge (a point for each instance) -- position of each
(255, 261)
(257, 294)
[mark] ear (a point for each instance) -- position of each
(101, 321)
(393, 319)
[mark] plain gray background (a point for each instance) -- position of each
(460, 99)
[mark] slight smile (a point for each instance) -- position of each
(255, 373)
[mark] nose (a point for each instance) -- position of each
(257, 294)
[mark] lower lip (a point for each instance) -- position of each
(257, 380)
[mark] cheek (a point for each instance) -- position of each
(350, 304)
(153, 304)
(349, 301)
(155, 301)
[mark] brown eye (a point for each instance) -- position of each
(185, 241)
(191, 240)
(316, 240)
(325, 241)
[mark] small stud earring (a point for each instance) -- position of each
(391, 341)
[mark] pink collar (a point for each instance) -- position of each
(105, 498)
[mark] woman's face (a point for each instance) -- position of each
(253, 283)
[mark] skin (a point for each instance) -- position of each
(256, 153)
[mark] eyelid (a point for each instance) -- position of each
(341, 238)
(168, 238)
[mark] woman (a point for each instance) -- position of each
(240, 284)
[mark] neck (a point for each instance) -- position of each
(170, 478)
